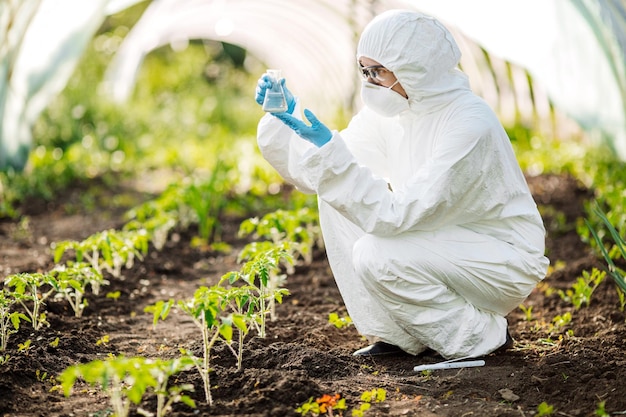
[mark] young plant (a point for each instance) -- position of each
(376, 395)
(324, 405)
(244, 304)
(160, 310)
(339, 322)
(528, 312)
(617, 250)
(108, 251)
(601, 410)
(545, 409)
(28, 290)
(583, 288)
(126, 381)
(157, 226)
(261, 273)
(328, 404)
(207, 201)
(71, 280)
(206, 309)
(9, 319)
(300, 228)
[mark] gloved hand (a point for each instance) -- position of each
(265, 83)
(317, 133)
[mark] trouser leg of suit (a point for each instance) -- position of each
(370, 318)
(449, 289)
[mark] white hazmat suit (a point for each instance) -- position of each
(430, 229)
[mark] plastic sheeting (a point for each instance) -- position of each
(311, 41)
(42, 42)
(574, 48)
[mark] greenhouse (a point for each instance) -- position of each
(155, 260)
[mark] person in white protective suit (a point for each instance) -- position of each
(430, 229)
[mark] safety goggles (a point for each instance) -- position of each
(375, 72)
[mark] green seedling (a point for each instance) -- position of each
(70, 281)
(324, 405)
(243, 302)
(104, 340)
(9, 319)
(260, 272)
(160, 310)
(327, 404)
(158, 227)
(544, 409)
(621, 295)
(206, 309)
(561, 320)
(618, 247)
(107, 251)
(601, 410)
(24, 347)
(29, 291)
(528, 312)
(376, 395)
(114, 295)
(218, 312)
(207, 201)
(41, 375)
(583, 288)
(126, 381)
(339, 322)
(299, 228)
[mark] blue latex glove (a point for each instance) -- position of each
(265, 83)
(317, 133)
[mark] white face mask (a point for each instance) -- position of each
(383, 100)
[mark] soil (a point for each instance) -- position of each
(573, 368)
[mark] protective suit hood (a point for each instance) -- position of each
(421, 53)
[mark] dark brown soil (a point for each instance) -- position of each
(303, 355)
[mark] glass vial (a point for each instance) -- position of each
(275, 96)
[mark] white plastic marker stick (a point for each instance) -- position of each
(449, 365)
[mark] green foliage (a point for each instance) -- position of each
(9, 319)
(71, 281)
(262, 272)
(299, 227)
(324, 405)
(601, 411)
(158, 216)
(109, 251)
(160, 310)
(617, 251)
(127, 380)
(528, 312)
(339, 322)
(561, 320)
(329, 404)
(31, 290)
(545, 409)
(207, 201)
(177, 121)
(583, 288)
(376, 395)
(245, 305)
(207, 310)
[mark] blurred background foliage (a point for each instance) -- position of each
(192, 107)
